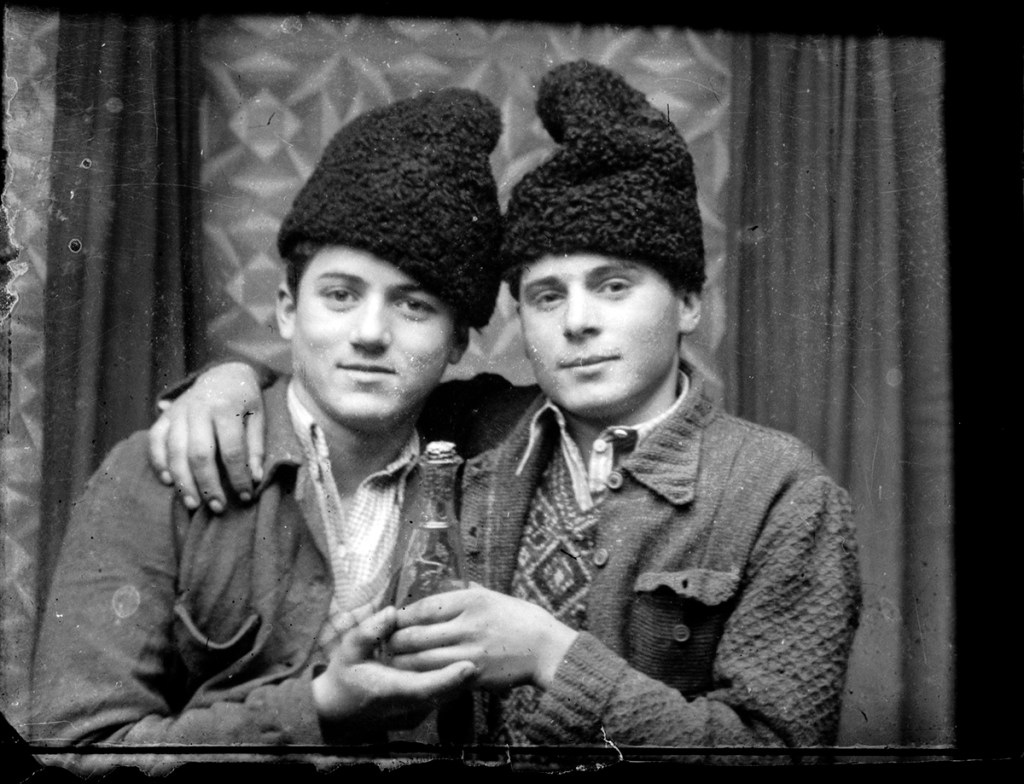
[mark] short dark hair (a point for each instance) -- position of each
(297, 260)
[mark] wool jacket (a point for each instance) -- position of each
(169, 627)
(727, 591)
(723, 613)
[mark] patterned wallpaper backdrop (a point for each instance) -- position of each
(30, 49)
(277, 90)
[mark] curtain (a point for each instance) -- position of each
(123, 296)
(838, 290)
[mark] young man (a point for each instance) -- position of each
(652, 571)
(164, 626)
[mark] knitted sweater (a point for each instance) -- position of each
(727, 592)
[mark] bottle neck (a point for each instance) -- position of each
(439, 484)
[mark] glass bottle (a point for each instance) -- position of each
(433, 559)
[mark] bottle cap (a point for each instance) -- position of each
(441, 452)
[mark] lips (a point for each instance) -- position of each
(586, 361)
(366, 368)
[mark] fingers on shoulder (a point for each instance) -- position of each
(234, 452)
(178, 459)
(157, 444)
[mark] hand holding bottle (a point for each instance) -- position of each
(355, 688)
(511, 641)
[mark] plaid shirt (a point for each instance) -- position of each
(360, 538)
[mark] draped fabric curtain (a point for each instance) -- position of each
(123, 298)
(838, 289)
(835, 282)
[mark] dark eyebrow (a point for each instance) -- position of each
(342, 277)
(407, 289)
(548, 281)
(399, 289)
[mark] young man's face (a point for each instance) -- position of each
(368, 342)
(603, 335)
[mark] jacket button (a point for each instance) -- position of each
(600, 556)
(680, 632)
(614, 480)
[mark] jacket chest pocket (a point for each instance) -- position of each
(676, 622)
(208, 655)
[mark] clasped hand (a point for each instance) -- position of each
(510, 641)
(363, 692)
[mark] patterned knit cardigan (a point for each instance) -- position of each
(725, 607)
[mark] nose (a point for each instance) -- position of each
(371, 331)
(579, 318)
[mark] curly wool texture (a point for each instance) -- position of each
(412, 183)
(620, 184)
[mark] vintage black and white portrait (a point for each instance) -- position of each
(633, 343)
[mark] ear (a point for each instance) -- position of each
(689, 311)
(459, 344)
(285, 311)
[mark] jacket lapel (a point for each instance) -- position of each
(285, 453)
(496, 500)
(667, 461)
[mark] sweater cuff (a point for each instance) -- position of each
(574, 704)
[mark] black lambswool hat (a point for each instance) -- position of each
(620, 184)
(412, 184)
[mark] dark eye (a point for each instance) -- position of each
(546, 300)
(416, 307)
(338, 296)
(615, 286)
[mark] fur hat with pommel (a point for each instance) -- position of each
(620, 183)
(411, 183)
